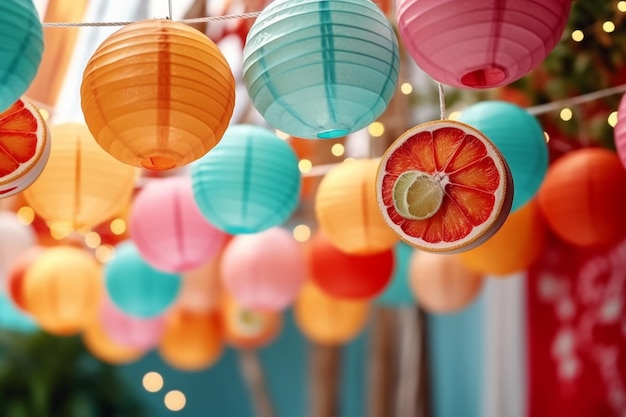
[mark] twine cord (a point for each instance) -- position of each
(442, 102)
(189, 21)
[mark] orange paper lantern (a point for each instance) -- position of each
(441, 283)
(347, 211)
(192, 341)
(327, 320)
(517, 244)
(582, 197)
(62, 289)
(158, 94)
(248, 329)
(81, 185)
(102, 347)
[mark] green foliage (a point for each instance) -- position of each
(47, 376)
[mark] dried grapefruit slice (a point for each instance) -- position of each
(24, 147)
(444, 187)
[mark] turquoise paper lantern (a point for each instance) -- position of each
(135, 287)
(398, 292)
(21, 48)
(249, 182)
(321, 68)
(13, 319)
(520, 138)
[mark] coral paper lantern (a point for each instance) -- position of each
(81, 186)
(519, 242)
(328, 320)
(321, 68)
(103, 347)
(345, 275)
(582, 197)
(249, 183)
(168, 228)
(192, 341)
(441, 283)
(21, 37)
(347, 211)
(135, 287)
(264, 271)
(249, 329)
(157, 94)
(62, 289)
(519, 136)
(480, 44)
(15, 238)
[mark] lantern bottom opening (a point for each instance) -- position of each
(159, 163)
(333, 133)
(486, 77)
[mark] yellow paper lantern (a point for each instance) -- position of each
(62, 289)
(347, 211)
(81, 185)
(158, 94)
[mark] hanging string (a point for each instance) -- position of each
(169, 6)
(192, 20)
(442, 102)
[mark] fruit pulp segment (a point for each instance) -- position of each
(468, 194)
(18, 138)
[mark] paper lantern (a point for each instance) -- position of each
(347, 211)
(398, 292)
(519, 136)
(103, 347)
(345, 275)
(518, 243)
(249, 183)
(321, 68)
(328, 320)
(168, 229)
(249, 329)
(81, 186)
(480, 44)
(201, 289)
(15, 238)
(62, 289)
(21, 37)
(441, 283)
(157, 94)
(619, 132)
(129, 331)
(264, 271)
(192, 341)
(582, 197)
(135, 287)
(15, 275)
(13, 319)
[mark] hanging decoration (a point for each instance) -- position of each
(519, 137)
(480, 44)
(15, 275)
(619, 133)
(15, 238)
(246, 328)
(14, 319)
(201, 289)
(582, 197)
(345, 275)
(135, 287)
(168, 229)
(21, 37)
(102, 346)
(157, 94)
(24, 147)
(263, 271)
(81, 186)
(62, 289)
(398, 292)
(443, 186)
(321, 69)
(249, 183)
(347, 212)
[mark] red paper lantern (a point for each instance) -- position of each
(345, 275)
(15, 275)
(582, 197)
(480, 44)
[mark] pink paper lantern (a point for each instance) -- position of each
(480, 44)
(141, 333)
(168, 229)
(263, 271)
(202, 288)
(619, 133)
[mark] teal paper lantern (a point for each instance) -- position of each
(135, 287)
(13, 319)
(321, 68)
(21, 48)
(249, 182)
(520, 138)
(398, 292)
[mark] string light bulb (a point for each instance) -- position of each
(578, 35)
(566, 114)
